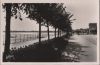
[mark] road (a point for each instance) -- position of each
(89, 46)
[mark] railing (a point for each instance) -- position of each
(17, 37)
(23, 37)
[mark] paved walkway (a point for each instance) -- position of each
(89, 46)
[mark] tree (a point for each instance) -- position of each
(48, 30)
(7, 33)
(55, 32)
(11, 10)
(53, 13)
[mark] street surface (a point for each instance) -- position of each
(89, 47)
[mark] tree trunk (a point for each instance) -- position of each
(39, 32)
(55, 32)
(7, 32)
(48, 31)
(58, 32)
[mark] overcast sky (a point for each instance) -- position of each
(84, 11)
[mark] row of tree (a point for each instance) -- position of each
(47, 14)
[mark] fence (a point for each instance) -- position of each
(17, 37)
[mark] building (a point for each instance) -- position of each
(92, 28)
(82, 31)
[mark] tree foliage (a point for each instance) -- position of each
(54, 13)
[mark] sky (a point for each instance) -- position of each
(84, 11)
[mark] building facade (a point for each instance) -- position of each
(92, 28)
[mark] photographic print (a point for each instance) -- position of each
(50, 32)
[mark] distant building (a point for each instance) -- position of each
(92, 28)
(81, 31)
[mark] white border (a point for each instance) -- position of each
(48, 63)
